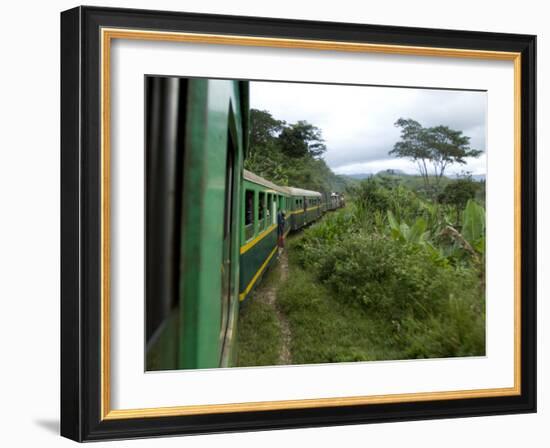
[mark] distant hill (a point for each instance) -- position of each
(359, 176)
(388, 172)
(400, 173)
(479, 177)
(475, 177)
(391, 172)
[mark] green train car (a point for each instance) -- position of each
(196, 142)
(306, 207)
(262, 200)
(211, 226)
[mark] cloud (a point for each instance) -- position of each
(358, 121)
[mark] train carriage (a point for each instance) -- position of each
(261, 202)
(196, 136)
(306, 207)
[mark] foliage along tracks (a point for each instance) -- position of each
(265, 337)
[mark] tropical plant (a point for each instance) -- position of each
(473, 225)
(415, 234)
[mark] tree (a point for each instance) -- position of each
(413, 146)
(447, 146)
(289, 154)
(264, 129)
(301, 139)
(439, 146)
(458, 193)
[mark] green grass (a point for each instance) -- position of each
(325, 330)
(259, 338)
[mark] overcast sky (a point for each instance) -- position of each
(357, 122)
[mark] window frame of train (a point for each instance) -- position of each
(249, 229)
(261, 210)
(87, 36)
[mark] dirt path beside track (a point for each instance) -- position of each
(269, 297)
(285, 357)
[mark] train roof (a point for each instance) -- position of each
(301, 192)
(251, 177)
(291, 191)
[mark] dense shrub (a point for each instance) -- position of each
(399, 260)
(391, 278)
(315, 241)
(423, 302)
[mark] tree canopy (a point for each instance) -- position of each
(264, 129)
(438, 146)
(290, 153)
(301, 139)
(458, 193)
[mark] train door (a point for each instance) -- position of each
(305, 211)
(226, 269)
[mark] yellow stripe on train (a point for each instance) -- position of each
(243, 294)
(296, 212)
(256, 240)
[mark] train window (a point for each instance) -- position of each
(261, 209)
(268, 209)
(248, 214)
(249, 207)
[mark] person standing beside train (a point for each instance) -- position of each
(281, 219)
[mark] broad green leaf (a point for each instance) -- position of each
(419, 227)
(392, 221)
(473, 222)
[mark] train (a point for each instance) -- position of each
(210, 225)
